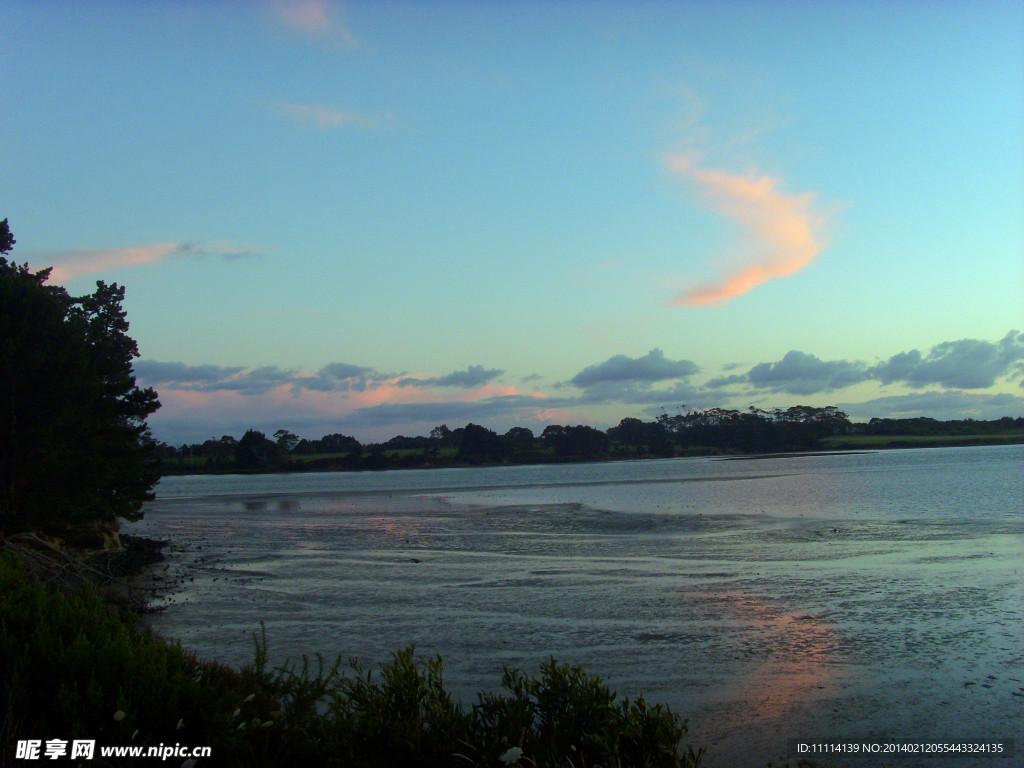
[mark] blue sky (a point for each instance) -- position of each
(374, 218)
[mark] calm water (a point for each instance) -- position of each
(856, 596)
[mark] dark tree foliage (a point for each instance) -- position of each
(75, 450)
(7, 240)
(480, 443)
(580, 441)
(256, 451)
(642, 438)
(518, 440)
(924, 426)
(798, 428)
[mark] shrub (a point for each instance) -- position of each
(73, 667)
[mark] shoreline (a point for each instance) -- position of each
(854, 446)
(746, 616)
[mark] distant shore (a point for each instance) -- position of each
(830, 445)
(886, 442)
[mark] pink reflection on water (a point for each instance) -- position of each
(791, 657)
(399, 527)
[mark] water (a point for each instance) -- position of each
(843, 596)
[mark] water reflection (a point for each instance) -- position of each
(790, 655)
(284, 504)
(849, 592)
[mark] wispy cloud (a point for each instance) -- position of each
(323, 117)
(784, 231)
(317, 18)
(75, 263)
(473, 376)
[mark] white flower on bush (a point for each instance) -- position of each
(511, 755)
(119, 716)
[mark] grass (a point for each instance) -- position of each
(910, 441)
(305, 458)
(74, 667)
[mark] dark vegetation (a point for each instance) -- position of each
(73, 667)
(711, 432)
(923, 432)
(75, 452)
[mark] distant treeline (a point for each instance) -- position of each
(925, 427)
(713, 431)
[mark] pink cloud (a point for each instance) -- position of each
(786, 233)
(68, 265)
(388, 391)
(558, 416)
(226, 409)
(71, 264)
(314, 17)
(494, 390)
(322, 117)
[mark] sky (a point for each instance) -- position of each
(377, 217)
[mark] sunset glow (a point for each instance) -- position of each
(372, 219)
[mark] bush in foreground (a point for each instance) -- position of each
(73, 667)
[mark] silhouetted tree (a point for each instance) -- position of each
(335, 443)
(441, 437)
(518, 440)
(480, 443)
(75, 448)
(286, 440)
(7, 240)
(256, 451)
(579, 441)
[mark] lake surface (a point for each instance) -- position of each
(842, 596)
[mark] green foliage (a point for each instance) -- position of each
(71, 667)
(406, 717)
(75, 450)
(69, 663)
(566, 717)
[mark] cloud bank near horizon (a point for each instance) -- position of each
(344, 396)
(962, 364)
(784, 234)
